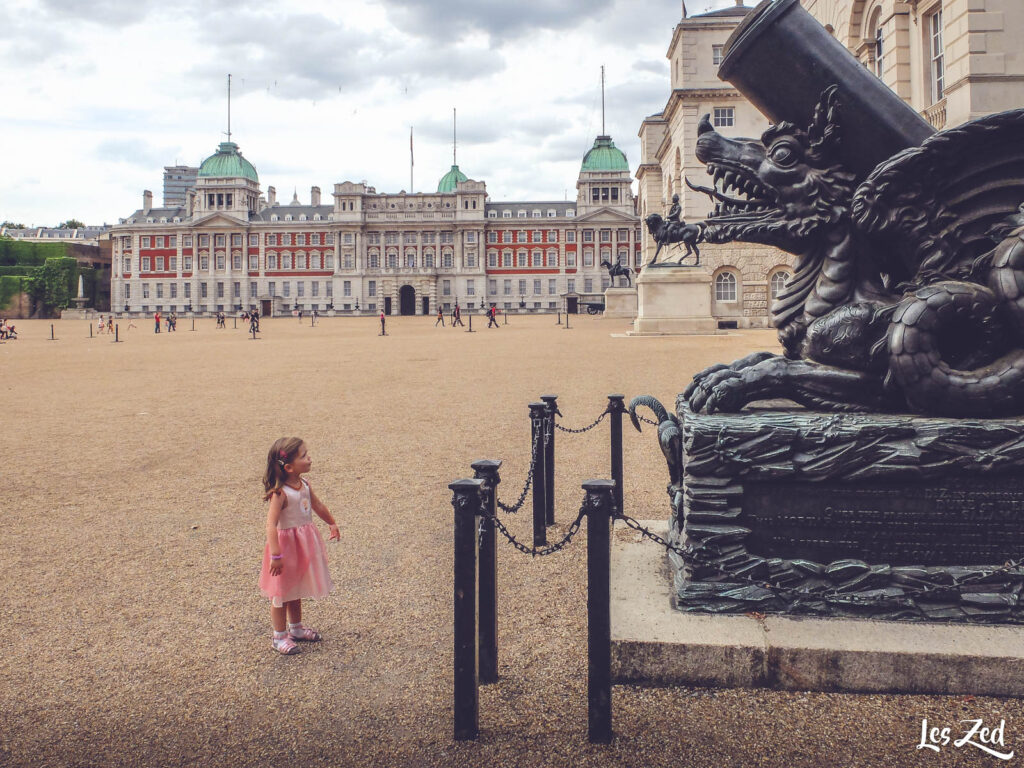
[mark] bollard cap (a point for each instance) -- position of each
(537, 407)
(598, 485)
(466, 484)
(546, 398)
(486, 465)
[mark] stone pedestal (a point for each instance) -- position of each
(876, 516)
(673, 300)
(620, 303)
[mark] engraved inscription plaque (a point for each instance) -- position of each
(965, 521)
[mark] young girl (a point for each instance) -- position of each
(295, 558)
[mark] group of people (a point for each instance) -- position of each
(492, 317)
(171, 321)
(7, 330)
(109, 324)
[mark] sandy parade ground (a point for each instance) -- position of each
(133, 524)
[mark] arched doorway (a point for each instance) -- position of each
(407, 300)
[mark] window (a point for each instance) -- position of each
(300, 289)
(346, 288)
(220, 290)
(188, 290)
(410, 260)
(254, 262)
(552, 260)
(159, 290)
(271, 239)
(879, 44)
(128, 291)
(300, 239)
(938, 74)
(470, 288)
(725, 117)
(286, 288)
(506, 214)
(446, 287)
(236, 239)
(570, 285)
(172, 263)
(374, 259)
(236, 290)
(520, 214)
(145, 242)
(203, 290)
(588, 235)
(552, 213)
(570, 258)
(392, 260)
(778, 282)
(204, 262)
(236, 261)
(254, 240)
(716, 54)
(471, 237)
(186, 241)
(128, 264)
(570, 236)
(316, 287)
(605, 283)
(328, 288)
(286, 239)
(204, 241)
(492, 286)
(588, 285)
(470, 259)
(145, 290)
(187, 263)
(272, 288)
(492, 214)
(428, 260)
(159, 242)
(506, 287)
(606, 235)
(536, 286)
(146, 263)
(552, 235)
(159, 263)
(446, 259)
(536, 259)
(492, 237)
(220, 259)
(218, 241)
(521, 259)
(725, 287)
(588, 258)
(346, 238)
(253, 289)
(522, 287)
(492, 258)
(551, 286)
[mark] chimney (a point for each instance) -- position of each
(739, 3)
(271, 196)
(190, 202)
(147, 201)
(314, 196)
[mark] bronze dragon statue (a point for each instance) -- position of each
(908, 290)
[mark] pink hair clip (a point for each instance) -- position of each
(283, 454)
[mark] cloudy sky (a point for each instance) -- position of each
(99, 95)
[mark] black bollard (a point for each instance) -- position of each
(506, 316)
(567, 321)
(117, 332)
(616, 408)
(559, 318)
(52, 337)
(470, 329)
(487, 470)
(193, 323)
(90, 330)
(600, 497)
(466, 502)
(537, 422)
(551, 408)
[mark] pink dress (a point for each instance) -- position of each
(303, 554)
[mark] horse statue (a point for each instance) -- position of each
(666, 231)
(617, 270)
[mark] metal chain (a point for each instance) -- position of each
(550, 549)
(646, 420)
(585, 429)
(831, 593)
(529, 481)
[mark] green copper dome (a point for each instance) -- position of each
(450, 179)
(228, 163)
(604, 156)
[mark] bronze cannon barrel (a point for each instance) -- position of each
(781, 59)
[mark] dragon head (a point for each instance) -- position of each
(793, 187)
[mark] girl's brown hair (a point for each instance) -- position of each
(283, 451)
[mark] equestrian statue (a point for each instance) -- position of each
(673, 229)
(618, 270)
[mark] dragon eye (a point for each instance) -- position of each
(783, 155)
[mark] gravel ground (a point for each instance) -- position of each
(134, 527)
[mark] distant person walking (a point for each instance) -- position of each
(492, 321)
(316, 316)
(458, 316)
(382, 331)
(440, 317)
(110, 324)
(156, 320)
(172, 322)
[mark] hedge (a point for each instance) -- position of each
(19, 253)
(10, 286)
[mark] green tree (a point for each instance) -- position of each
(11, 225)
(51, 284)
(70, 224)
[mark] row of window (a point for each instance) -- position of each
(219, 289)
(535, 213)
(220, 241)
(726, 285)
(538, 236)
(427, 238)
(301, 261)
(550, 259)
